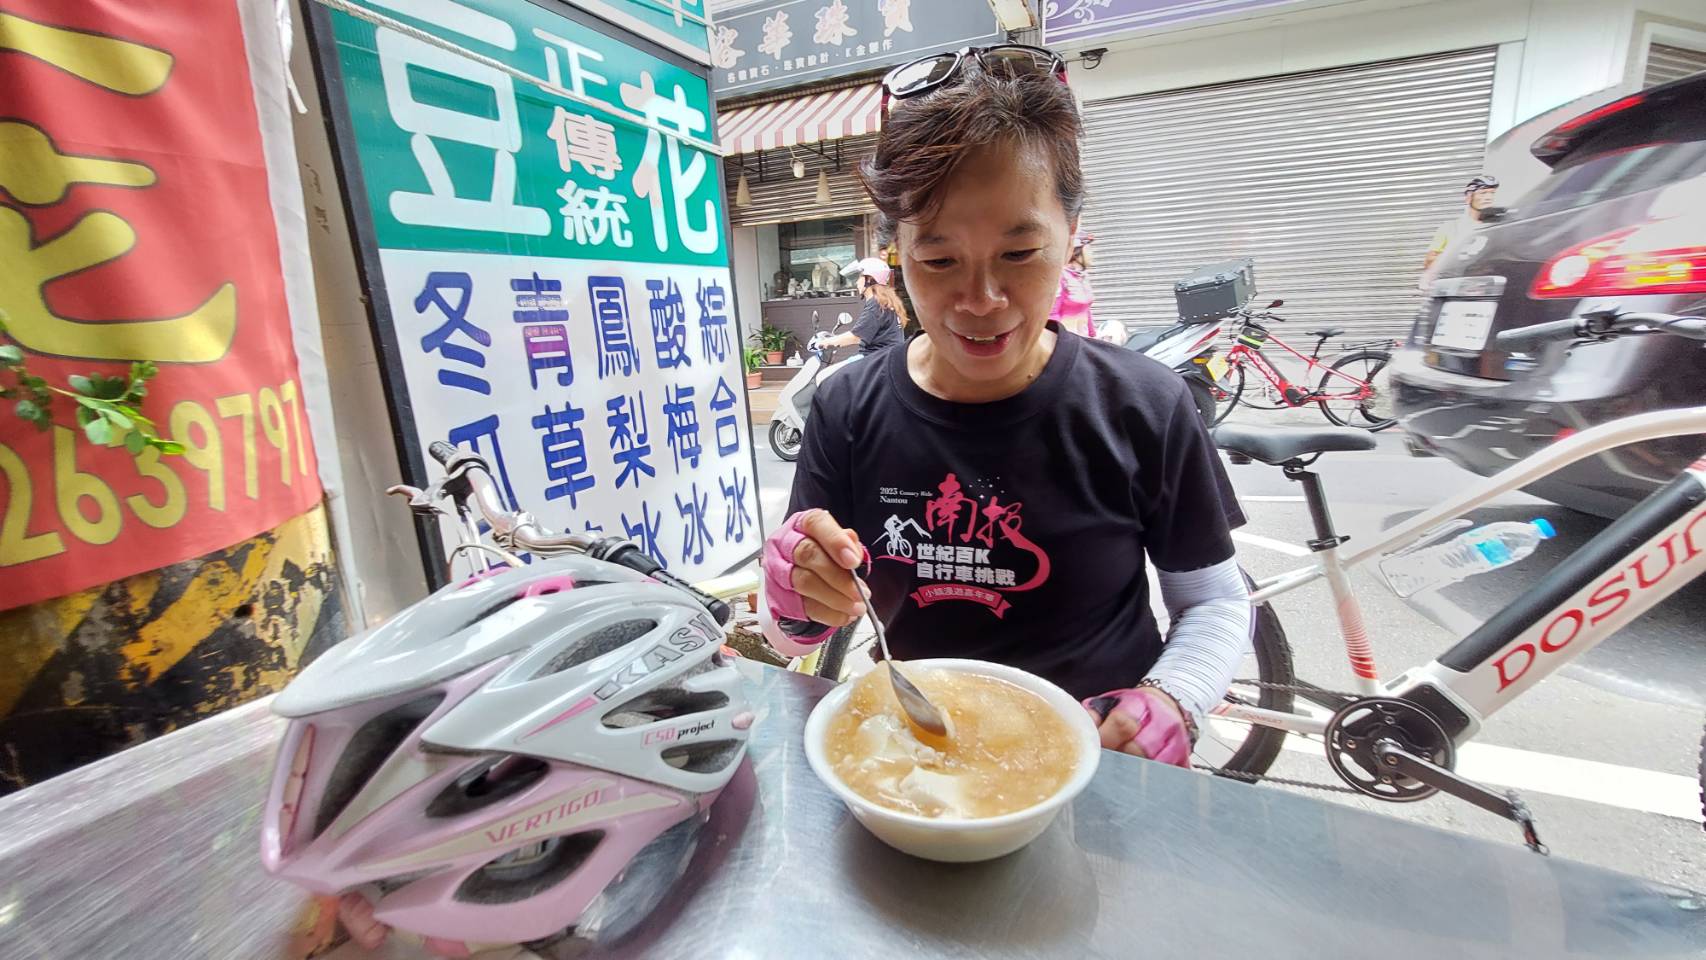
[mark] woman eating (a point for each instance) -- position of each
(1010, 480)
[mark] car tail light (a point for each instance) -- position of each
(1667, 256)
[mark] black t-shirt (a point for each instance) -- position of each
(1015, 531)
(877, 326)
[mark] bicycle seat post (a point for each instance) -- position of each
(1326, 536)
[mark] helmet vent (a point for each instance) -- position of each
(530, 870)
(706, 756)
(367, 751)
(487, 782)
(596, 644)
(654, 706)
(496, 605)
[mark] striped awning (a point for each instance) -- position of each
(814, 118)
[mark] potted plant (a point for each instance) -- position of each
(774, 340)
(754, 357)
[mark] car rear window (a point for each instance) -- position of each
(1629, 159)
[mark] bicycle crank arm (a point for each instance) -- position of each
(1508, 805)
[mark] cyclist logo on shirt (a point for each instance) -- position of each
(976, 551)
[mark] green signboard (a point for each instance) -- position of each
(460, 155)
(548, 265)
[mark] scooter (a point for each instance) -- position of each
(1189, 348)
(788, 423)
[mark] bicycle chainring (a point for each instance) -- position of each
(1355, 729)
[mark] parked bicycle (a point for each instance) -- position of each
(1351, 390)
(1397, 739)
(487, 530)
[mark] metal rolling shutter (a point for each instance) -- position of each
(1335, 182)
(1666, 63)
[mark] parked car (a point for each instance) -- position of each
(1620, 221)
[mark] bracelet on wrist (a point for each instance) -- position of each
(1184, 711)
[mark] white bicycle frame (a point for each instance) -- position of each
(1608, 584)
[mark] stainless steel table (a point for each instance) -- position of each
(153, 853)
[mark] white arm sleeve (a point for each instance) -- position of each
(1210, 633)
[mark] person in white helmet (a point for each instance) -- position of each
(881, 316)
(1478, 195)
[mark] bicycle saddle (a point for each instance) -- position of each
(1276, 445)
(1327, 333)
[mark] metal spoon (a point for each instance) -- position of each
(918, 707)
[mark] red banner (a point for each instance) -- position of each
(135, 224)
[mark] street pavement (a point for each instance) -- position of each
(1605, 752)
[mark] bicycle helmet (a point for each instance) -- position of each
(1485, 181)
(523, 753)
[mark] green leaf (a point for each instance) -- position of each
(135, 442)
(109, 388)
(139, 390)
(81, 384)
(11, 354)
(29, 410)
(144, 370)
(84, 415)
(99, 432)
(92, 403)
(169, 447)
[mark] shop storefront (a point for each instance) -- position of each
(801, 110)
(797, 210)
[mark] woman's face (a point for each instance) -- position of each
(983, 272)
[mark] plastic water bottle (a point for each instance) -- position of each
(1473, 551)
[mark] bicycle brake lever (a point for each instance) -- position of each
(420, 501)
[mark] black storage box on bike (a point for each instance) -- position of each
(1215, 291)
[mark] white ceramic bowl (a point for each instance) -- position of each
(956, 840)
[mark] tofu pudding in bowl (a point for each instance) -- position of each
(1018, 749)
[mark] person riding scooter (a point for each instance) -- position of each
(881, 316)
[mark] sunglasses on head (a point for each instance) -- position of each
(1003, 61)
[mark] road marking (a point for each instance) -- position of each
(1610, 784)
(1278, 546)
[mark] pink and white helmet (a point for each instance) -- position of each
(869, 267)
(511, 758)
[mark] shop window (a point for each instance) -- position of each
(813, 254)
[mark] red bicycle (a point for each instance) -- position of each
(1352, 390)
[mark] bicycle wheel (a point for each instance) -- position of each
(1370, 409)
(1242, 750)
(1227, 392)
(1261, 394)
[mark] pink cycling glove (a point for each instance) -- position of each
(1161, 733)
(784, 618)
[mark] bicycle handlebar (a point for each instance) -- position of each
(469, 481)
(1535, 334)
(1602, 325)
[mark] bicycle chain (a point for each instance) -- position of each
(1284, 781)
